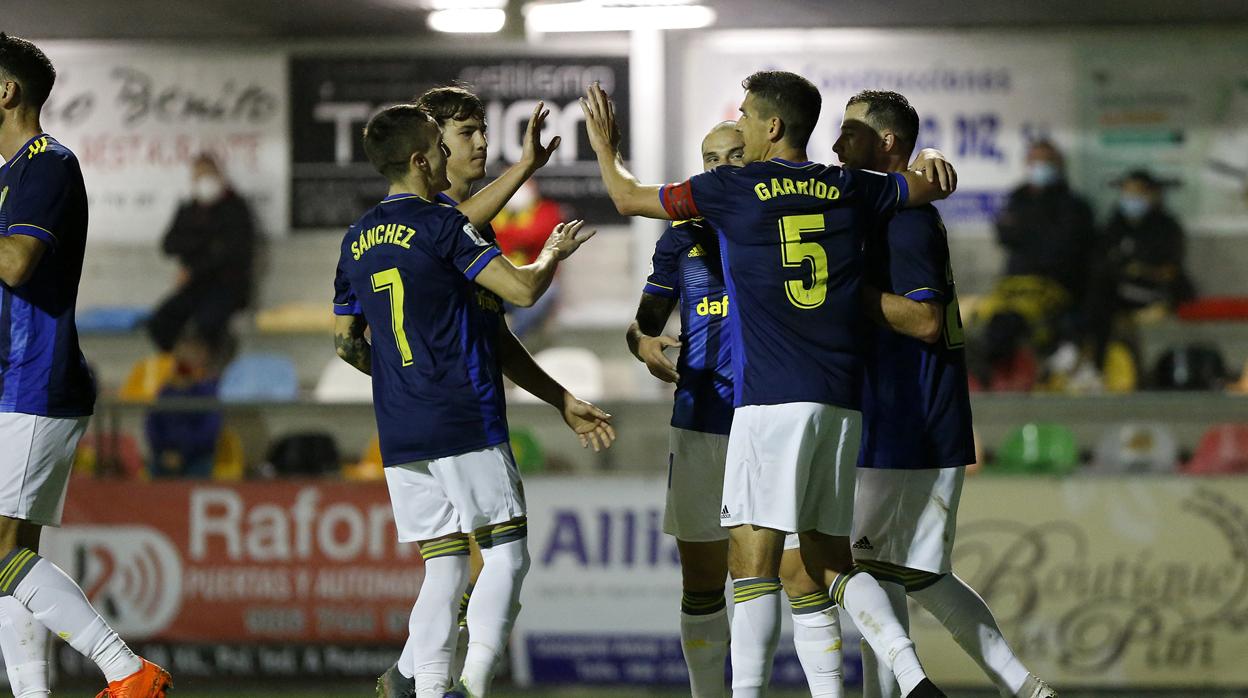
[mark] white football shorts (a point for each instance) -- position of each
(695, 486)
(455, 494)
(791, 468)
(36, 457)
(907, 517)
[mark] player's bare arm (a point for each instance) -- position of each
(351, 344)
(522, 286)
(930, 178)
(591, 424)
(631, 198)
(646, 339)
(19, 257)
(482, 207)
(923, 320)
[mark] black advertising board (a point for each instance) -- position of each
(332, 97)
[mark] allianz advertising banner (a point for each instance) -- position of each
(136, 115)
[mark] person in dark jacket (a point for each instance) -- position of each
(1140, 260)
(213, 238)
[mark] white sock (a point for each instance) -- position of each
(704, 641)
(25, 645)
(965, 615)
(817, 638)
(755, 634)
(494, 606)
(58, 603)
(860, 594)
(431, 627)
(877, 678)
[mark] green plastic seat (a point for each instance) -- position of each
(1038, 449)
(528, 452)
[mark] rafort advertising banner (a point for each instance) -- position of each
(137, 115)
(255, 562)
(332, 96)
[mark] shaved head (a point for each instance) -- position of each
(723, 146)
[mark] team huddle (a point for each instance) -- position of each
(821, 425)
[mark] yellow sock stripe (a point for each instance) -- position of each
(910, 578)
(458, 546)
(750, 589)
(838, 586)
(811, 603)
(503, 534)
(11, 570)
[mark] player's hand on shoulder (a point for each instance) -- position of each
(591, 424)
(604, 132)
(535, 155)
(567, 238)
(650, 350)
(931, 163)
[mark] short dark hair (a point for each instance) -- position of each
(23, 62)
(451, 102)
(394, 134)
(792, 97)
(890, 110)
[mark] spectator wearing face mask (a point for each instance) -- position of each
(1140, 260)
(213, 239)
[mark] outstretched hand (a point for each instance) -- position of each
(567, 238)
(591, 424)
(650, 351)
(536, 155)
(604, 132)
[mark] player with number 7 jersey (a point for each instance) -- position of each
(430, 287)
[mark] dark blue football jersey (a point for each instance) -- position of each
(916, 407)
(792, 236)
(686, 265)
(408, 267)
(42, 369)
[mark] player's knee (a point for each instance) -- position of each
(703, 566)
(505, 545)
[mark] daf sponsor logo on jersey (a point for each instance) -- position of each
(706, 306)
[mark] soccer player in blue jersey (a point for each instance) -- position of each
(791, 236)
(46, 391)
(460, 115)
(428, 286)
(916, 411)
(686, 269)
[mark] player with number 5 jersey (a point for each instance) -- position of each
(792, 235)
(430, 286)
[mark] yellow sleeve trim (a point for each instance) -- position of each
(478, 257)
(651, 283)
(32, 225)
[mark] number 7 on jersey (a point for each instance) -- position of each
(389, 281)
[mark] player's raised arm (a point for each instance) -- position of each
(591, 424)
(922, 320)
(522, 286)
(19, 257)
(930, 178)
(631, 198)
(482, 207)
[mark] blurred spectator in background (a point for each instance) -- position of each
(1047, 232)
(1139, 265)
(522, 229)
(213, 238)
(184, 444)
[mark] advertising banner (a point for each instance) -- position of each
(980, 99)
(1111, 582)
(333, 96)
(247, 563)
(137, 115)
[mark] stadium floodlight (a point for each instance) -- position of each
(597, 16)
(467, 16)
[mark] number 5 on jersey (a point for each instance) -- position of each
(389, 281)
(794, 253)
